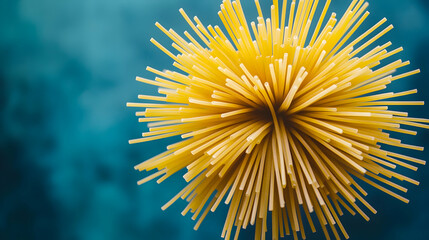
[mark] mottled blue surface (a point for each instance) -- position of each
(66, 170)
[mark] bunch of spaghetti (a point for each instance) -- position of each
(279, 121)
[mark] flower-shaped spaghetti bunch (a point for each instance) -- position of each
(279, 121)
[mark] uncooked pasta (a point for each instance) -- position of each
(281, 118)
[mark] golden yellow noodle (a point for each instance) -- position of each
(280, 116)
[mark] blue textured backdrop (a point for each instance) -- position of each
(66, 170)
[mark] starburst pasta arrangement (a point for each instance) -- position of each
(279, 122)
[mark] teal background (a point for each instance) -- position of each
(67, 68)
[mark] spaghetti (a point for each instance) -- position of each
(279, 118)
